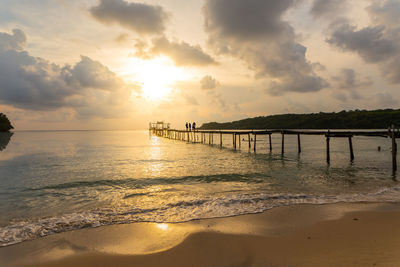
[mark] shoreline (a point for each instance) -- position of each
(360, 234)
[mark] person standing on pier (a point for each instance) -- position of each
(194, 126)
(186, 126)
(190, 127)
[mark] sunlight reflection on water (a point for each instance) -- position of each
(58, 181)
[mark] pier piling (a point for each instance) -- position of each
(298, 144)
(351, 149)
(255, 142)
(394, 149)
(270, 142)
(328, 155)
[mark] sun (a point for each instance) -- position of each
(156, 76)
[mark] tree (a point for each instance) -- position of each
(5, 124)
(357, 119)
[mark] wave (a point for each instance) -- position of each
(179, 211)
(139, 183)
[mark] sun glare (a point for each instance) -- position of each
(162, 226)
(156, 77)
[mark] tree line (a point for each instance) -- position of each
(353, 119)
(5, 124)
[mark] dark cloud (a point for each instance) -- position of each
(182, 53)
(378, 43)
(244, 19)
(327, 8)
(208, 83)
(141, 18)
(371, 43)
(93, 74)
(385, 12)
(348, 79)
(299, 83)
(16, 41)
(33, 83)
(263, 40)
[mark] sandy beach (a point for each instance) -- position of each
(304, 235)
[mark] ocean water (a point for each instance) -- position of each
(56, 181)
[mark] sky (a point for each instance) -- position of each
(119, 64)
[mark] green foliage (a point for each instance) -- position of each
(358, 119)
(5, 124)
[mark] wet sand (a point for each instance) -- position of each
(305, 235)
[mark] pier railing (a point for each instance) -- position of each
(199, 136)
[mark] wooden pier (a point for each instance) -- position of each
(200, 136)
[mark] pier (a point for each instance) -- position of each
(207, 136)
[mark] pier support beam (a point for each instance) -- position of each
(298, 144)
(220, 139)
(328, 154)
(270, 142)
(235, 141)
(255, 142)
(240, 142)
(283, 144)
(351, 149)
(394, 149)
(248, 136)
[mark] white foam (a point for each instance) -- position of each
(190, 209)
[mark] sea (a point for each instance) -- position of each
(57, 181)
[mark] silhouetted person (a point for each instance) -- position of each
(194, 126)
(187, 126)
(190, 126)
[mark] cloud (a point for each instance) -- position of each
(16, 41)
(92, 74)
(182, 53)
(350, 83)
(121, 38)
(263, 40)
(258, 18)
(348, 79)
(378, 43)
(385, 12)
(32, 83)
(138, 17)
(208, 83)
(190, 100)
(370, 43)
(385, 100)
(327, 8)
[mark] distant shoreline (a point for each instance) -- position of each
(358, 119)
